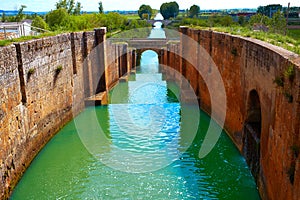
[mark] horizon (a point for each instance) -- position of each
(127, 10)
(133, 5)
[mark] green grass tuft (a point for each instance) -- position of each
(27, 38)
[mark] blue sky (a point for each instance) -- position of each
(92, 5)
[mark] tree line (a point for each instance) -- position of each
(68, 16)
(271, 18)
(168, 10)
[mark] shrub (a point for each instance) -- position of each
(226, 21)
(39, 23)
(259, 19)
(58, 19)
(278, 23)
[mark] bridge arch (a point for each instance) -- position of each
(139, 53)
(252, 133)
(164, 22)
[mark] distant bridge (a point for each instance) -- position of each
(164, 22)
(146, 43)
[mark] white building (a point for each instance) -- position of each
(19, 28)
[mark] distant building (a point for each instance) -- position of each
(18, 28)
(246, 15)
(29, 21)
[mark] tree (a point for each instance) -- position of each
(241, 20)
(259, 19)
(113, 21)
(278, 23)
(169, 10)
(194, 11)
(62, 4)
(269, 10)
(226, 20)
(3, 19)
(186, 12)
(69, 6)
(39, 23)
(100, 7)
(293, 12)
(77, 9)
(20, 15)
(145, 11)
(261, 10)
(57, 19)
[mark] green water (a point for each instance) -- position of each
(146, 121)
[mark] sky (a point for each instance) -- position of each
(109, 5)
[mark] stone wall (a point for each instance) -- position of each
(12, 122)
(250, 66)
(112, 62)
(44, 83)
(78, 57)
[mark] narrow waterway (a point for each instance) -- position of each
(144, 119)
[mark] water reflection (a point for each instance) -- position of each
(157, 31)
(149, 126)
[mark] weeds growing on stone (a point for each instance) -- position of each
(288, 96)
(58, 69)
(279, 81)
(31, 71)
(290, 73)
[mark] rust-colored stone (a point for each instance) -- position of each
(251, 65)
(43, 85)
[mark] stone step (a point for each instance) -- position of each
(97, 100)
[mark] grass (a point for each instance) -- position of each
(132, 16)
(133, 33)
(295, 34)
(26, 38)
(290, 42)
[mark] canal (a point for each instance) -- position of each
(144, 153)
